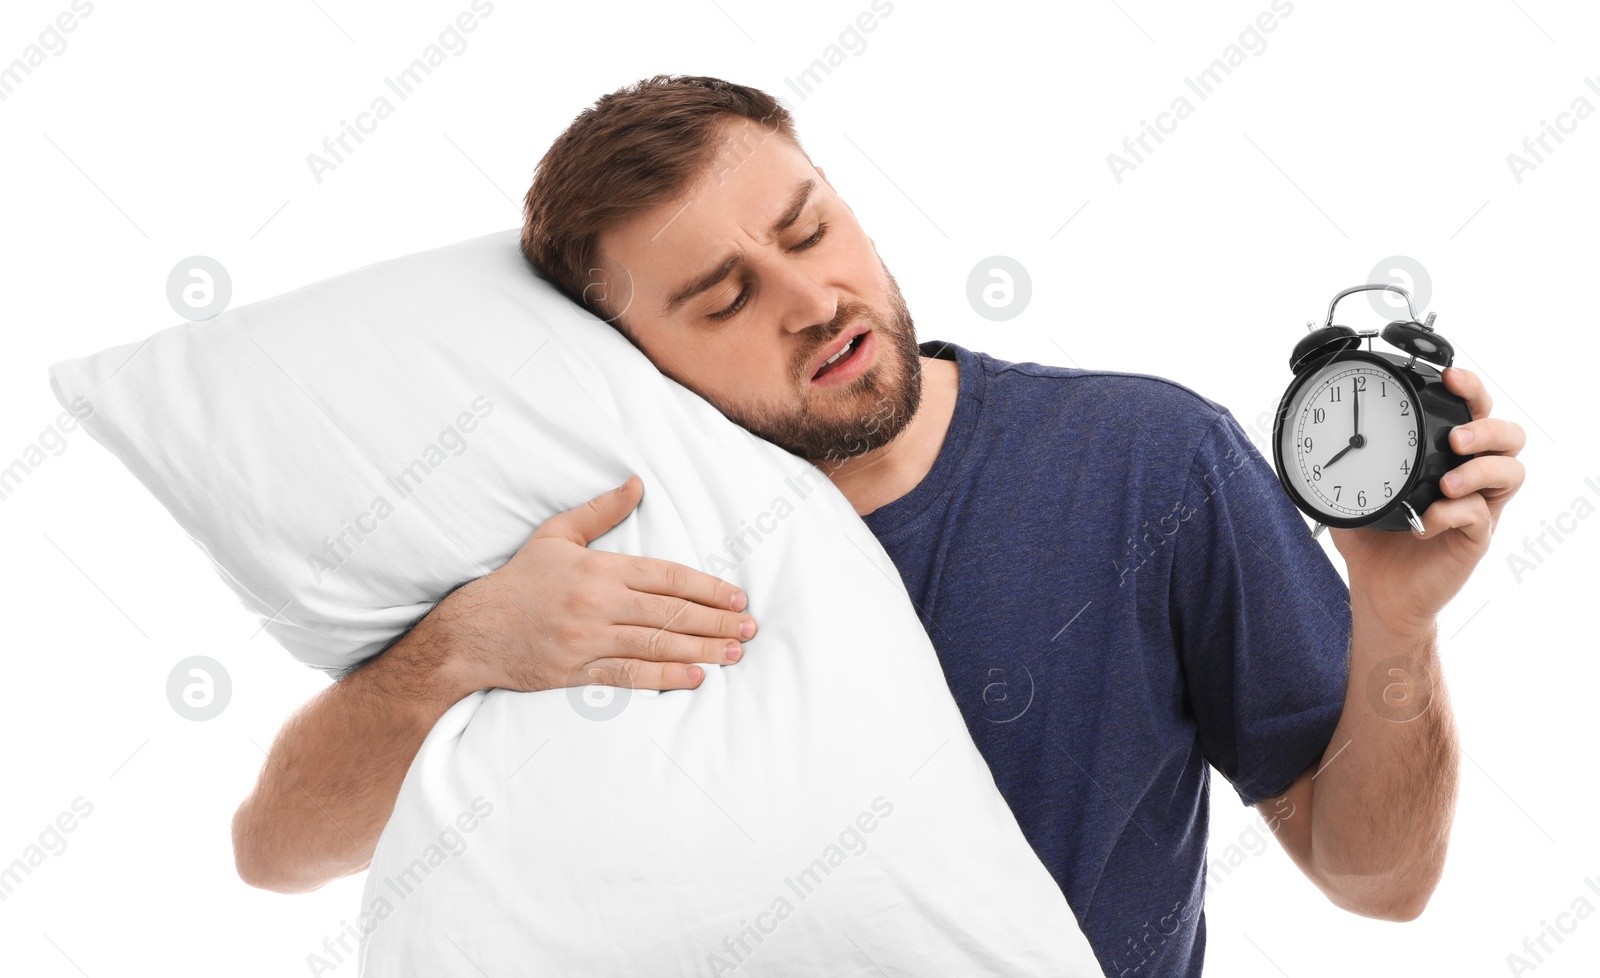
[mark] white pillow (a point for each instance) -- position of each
(348, 452)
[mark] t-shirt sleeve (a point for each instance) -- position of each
(1260, 616)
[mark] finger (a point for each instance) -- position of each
(638, 674)
(1469, 514)
(1488, 436)
(1466, 384)
(660, 645)
(1486, 472)
(681, 615)
(589, 520)
(680, 581)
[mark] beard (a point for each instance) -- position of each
(833, 424)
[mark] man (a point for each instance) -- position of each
(1119, 593)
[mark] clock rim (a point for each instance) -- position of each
(1394, 367)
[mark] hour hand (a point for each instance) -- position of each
(1355, 442)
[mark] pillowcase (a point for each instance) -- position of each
(346, 453)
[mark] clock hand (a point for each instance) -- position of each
(1356, 441)
(1355, 396)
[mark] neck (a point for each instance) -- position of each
(885, 474)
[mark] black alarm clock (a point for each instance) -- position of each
(1361, 437)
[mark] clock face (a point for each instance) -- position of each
(1349, 442)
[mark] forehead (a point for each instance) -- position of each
(747, 186)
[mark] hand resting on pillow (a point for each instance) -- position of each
(624, 620)
(557, 614)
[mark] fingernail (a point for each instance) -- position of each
(1452, 482)
(747, 628)
(738, 602)
(696, 674)
(734, 652)
(1464, 437)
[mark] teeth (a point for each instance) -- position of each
(847, 347)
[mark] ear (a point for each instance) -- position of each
(825, 177)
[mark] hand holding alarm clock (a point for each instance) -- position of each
(1365, 439)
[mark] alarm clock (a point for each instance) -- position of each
(1361, 437)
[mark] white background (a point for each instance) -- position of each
(1363, 130)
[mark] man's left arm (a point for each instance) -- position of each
(1370, 823)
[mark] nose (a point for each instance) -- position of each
(803, 297)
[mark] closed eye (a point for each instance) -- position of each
(744, 293)
(738, 303)
(822, 228)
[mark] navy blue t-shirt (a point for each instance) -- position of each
(1120, 593)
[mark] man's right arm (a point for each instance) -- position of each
(330, 781)
(556, 615)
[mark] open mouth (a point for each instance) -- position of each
(842, 358)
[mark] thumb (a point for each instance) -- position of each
(585, 522)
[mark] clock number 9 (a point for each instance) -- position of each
(1306, 444)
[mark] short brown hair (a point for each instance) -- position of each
(634, 148)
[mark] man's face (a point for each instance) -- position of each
(739, 288)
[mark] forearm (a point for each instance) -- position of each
(330, 781)
(1384, 797)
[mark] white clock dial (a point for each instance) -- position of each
(1349, 439)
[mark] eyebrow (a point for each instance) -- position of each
(703, 283)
